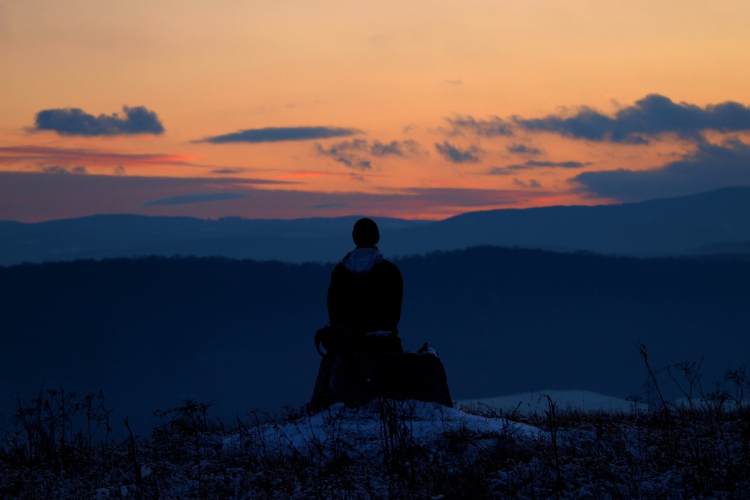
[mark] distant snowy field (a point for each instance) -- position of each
(536, 402)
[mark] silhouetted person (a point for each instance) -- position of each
(366, 290)
(364, 358)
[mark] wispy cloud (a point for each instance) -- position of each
(354, 153)
(455, 154)
(57, 169)
(312, 174)
(492, 127)
(523, 149)
(648, 118)
(374, 148)
(228, 171)
(278, 134)
(709, 167)
(74, 121)
(356, 163)
(533, 184)
(24, 154)
(529, 165)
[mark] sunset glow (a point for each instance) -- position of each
(417, 109)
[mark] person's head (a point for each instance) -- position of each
(365, 233)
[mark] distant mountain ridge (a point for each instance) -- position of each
(125, 235)
(656, 227)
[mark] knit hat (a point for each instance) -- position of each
(365, 233)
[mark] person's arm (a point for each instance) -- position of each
(334, 298)
(397, 293)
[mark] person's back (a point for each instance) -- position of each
(366, 290)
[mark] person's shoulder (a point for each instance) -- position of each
(339, 268)
(390, 267)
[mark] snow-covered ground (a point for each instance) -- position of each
(425, 423)
(536, 402)
(365, 428)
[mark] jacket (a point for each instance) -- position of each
(365, 292)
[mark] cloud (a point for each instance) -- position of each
(558, 164)
(74, 121)
(398, 148)
(457, 155)
(56, 169)
(512, 169)
(493, 127)
(531, 184)
(455, 82)
(355, 163)
(709, 167)
(354, 153)
(374, 148)
(227, 171)
(24, 154)
(193, 198)
(278, 134)
(348, 153)
(522, 149)
(648, 118)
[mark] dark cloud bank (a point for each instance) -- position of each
(709, 167)
(649, 117)
(278, 134)
(653, 115)
(74, 121)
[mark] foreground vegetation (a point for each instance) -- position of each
(59, 445)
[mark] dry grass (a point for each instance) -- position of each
(59, 445)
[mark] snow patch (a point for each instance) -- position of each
(363, 428)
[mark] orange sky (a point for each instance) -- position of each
(383, 72)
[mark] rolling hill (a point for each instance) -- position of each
(657, 227)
